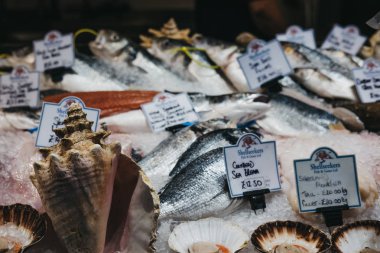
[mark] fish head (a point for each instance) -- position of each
(219, 51)
(167, 49)
(108, 44)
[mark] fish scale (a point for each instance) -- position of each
(199, 190)
(208, 142)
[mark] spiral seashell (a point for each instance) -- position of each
(75, 183)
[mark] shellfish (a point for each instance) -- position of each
(20, 227)
(289, 236)
(358, 237)
(209, 235)
(75, 183)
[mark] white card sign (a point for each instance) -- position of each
(251, 165)
(297, 35)
(367, 80)
(168, 110)
(263, 62)
(53, 115)
(325, 180)
(54, 51)
(20, 88)
(345, 39)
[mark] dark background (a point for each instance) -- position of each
(22, 21)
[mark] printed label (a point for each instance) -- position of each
(367, 80)
(345, 39)
(53, 115)
(20, 88)
(263, 62)
(54, 51)
(297, 35)
(251, 165)
(168, 110)
(326, 180)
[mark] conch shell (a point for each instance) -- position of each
(75, 183)
(168, 30)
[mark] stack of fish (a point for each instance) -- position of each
(314, 106)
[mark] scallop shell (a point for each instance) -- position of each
(201, 233)
(360, 236)
(289, 236)
(20, 227)
(75, 183)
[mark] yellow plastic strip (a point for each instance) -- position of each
(187, 50)
(84, 30)
(3, 56)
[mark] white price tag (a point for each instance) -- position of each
(251, 165)
(263, 62)
(297, 35)
(345, 39)
(326, 180)
(53, 115)
(367, 80)
(20, 88)
(54, 51)
(168, 110)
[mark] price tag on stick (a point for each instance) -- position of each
(53, 115)
(327, 183)
(20, 88)
(263, 63)
(251, 167)
(54, 51)
(169, 110)
(367, 81)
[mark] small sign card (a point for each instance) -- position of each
(53, 115)
(20, 88)
(367, 81)
(168, 110)
(54, 51)
(263, 62)
(251, 165)
(346, 39)
(326, 180)
(296, 34)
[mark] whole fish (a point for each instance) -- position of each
(326, 83)
(291, 117)
(300, 56)
(195, 64)
(238, 107)
(122, 52)
(225, 56)
(199, 190)
(291, 88)
(158, 164)
(212, 140)
(342, 58)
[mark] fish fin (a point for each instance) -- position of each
(337, 127)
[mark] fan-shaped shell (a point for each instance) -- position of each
(289, 236)
(20, 227)
(360, 236)
(207, 233)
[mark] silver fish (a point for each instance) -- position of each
(158, 164)
(293, 89)
(326, 83)
(342, 58)
(199, 190)
(212, 140)
(224, 55)
(300, 56)
(194, 64)
(291, 117)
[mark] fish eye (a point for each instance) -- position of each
(115, 37)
